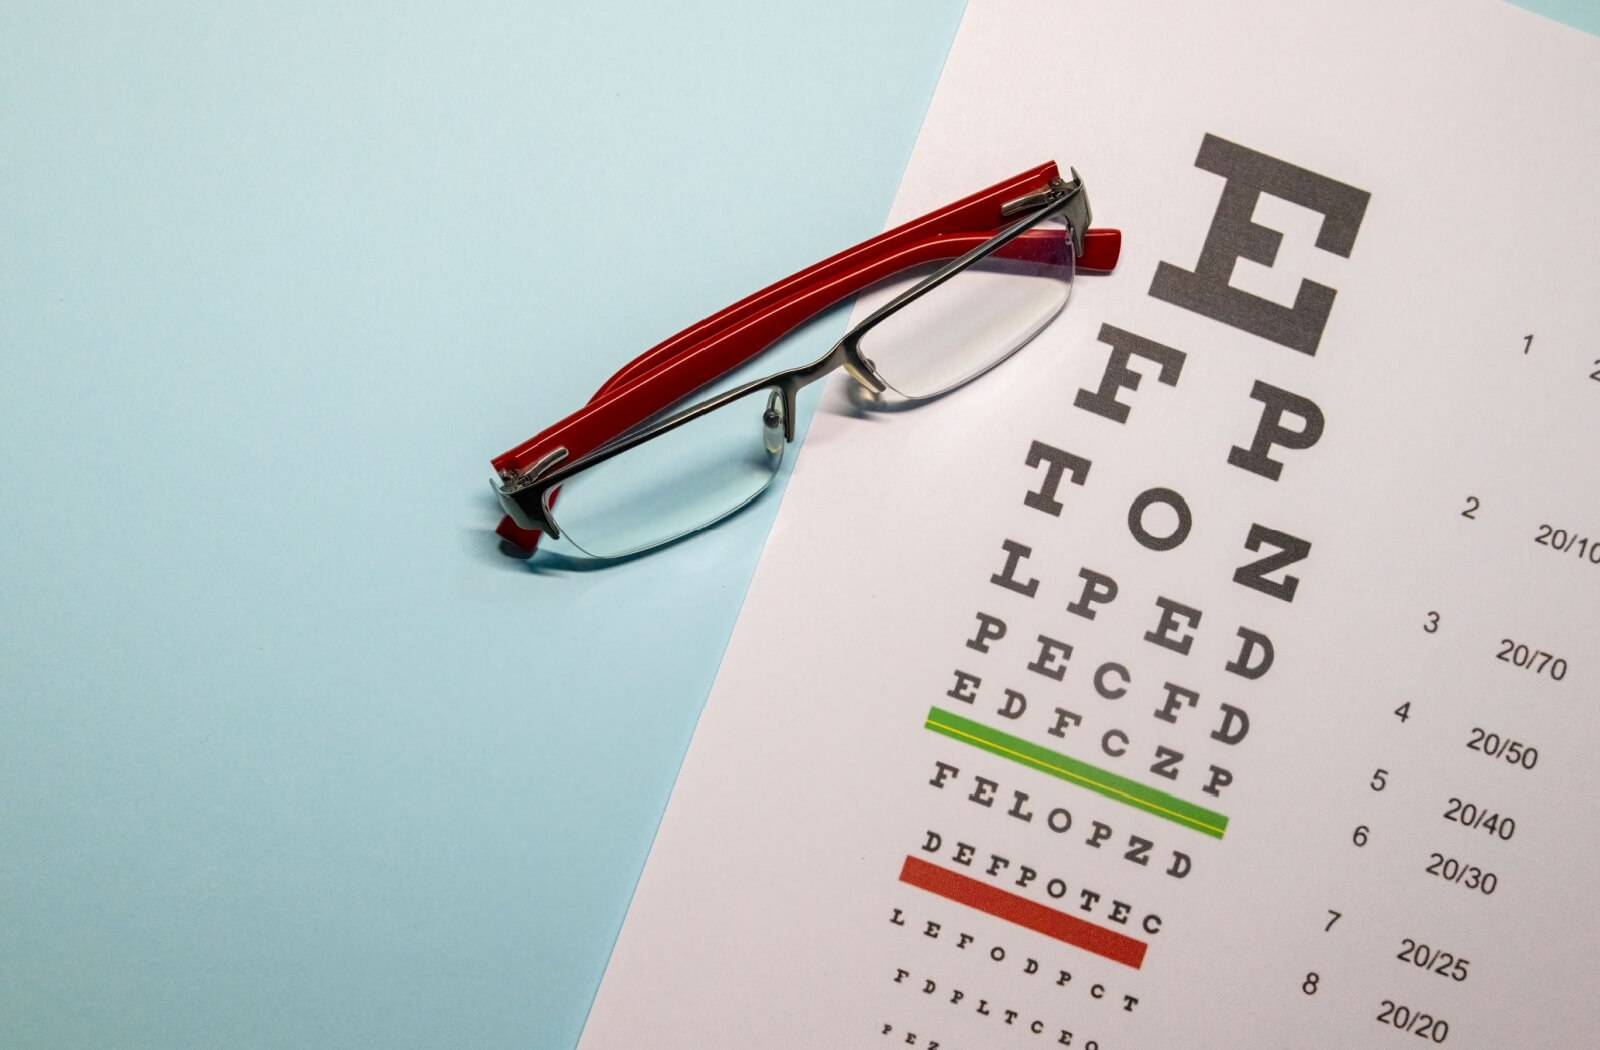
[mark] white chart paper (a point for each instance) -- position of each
(1221, 670)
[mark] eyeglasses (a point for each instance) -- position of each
(652, 457)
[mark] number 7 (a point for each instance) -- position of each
(1336, 917)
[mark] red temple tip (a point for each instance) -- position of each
(517, 536)
(1101, 249)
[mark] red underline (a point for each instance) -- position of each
(1028, 914)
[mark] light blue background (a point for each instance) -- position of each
(290, 754)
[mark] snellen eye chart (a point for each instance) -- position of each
(1222, 670)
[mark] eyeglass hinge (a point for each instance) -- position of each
(514, 480)
(513, 483)
(1077, 211)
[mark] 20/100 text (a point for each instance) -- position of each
(1562, 541)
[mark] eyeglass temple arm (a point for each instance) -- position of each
(1101, 248)
(692, 358)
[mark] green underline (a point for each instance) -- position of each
(1121, 789)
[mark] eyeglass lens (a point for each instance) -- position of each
(676, 482)
(970, 323)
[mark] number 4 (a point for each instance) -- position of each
(1336, 917)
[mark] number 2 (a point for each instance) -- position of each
(1471, 512)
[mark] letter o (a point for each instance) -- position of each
(1148, 539)
(1056, 888)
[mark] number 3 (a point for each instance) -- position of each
(1433, 622)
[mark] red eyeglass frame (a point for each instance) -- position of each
(682, 364)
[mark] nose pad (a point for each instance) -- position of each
(863, 371)
(772, 424)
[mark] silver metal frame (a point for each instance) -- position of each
(523, 496)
